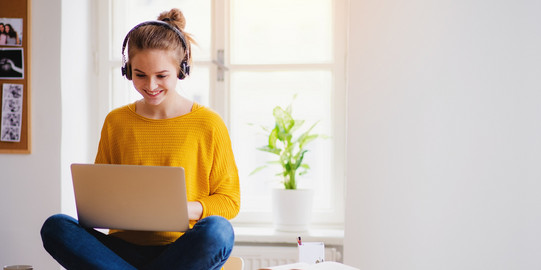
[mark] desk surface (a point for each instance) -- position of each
(318, 266)
(331, 237)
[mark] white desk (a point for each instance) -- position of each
(318, 266)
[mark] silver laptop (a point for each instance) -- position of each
(130, 197)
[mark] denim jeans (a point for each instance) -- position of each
(206, 246)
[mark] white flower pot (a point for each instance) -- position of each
(292, 209)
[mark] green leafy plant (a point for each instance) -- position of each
(288, 146)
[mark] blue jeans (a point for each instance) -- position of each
(206, 246)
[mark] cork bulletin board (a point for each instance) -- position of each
(15, 76)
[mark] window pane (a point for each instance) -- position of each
(196, 86)
(123, 91)
(259, 33)
(272, 32)
(252, 102)
(127, 14)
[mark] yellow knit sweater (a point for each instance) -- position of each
(197, 141)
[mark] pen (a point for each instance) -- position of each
(299, 241)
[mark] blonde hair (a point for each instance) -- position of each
(159, 37)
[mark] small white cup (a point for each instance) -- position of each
(311, 252)
(18, 267)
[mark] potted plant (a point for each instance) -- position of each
(292, 207)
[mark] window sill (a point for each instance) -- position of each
(268, 235)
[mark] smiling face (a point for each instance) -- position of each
(154, 75)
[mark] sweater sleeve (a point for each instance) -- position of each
(104, 150)
(224, 199)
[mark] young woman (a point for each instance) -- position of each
(3, 36)
(161, 129)
(12, 35)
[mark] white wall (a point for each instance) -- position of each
(38, 185)
(30, 184)
(444, 135)
(79, 95)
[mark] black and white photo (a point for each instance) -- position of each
(11, 63)
(12, 112)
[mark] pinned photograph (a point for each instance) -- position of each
(12, 112)
(12, 91)
(11, 63)
(11, 120)
(11, 31)
(13, 105)
(11, 134)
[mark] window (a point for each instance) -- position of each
(253, 55)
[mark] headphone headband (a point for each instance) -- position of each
(184, 67)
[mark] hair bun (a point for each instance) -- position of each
(175, 17)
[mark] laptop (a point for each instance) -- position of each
(130, 197)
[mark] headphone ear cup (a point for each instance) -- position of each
(184, 70)
(127, 71)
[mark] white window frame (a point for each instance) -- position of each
(219, 94)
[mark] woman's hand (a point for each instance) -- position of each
(195, 210)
